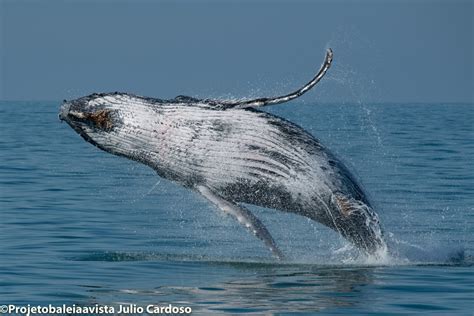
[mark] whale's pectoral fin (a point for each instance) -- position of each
(245, 217)
(224, 105)
(281, 99)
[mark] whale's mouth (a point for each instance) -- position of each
(80, 121)
(64, 111)
(100, 119)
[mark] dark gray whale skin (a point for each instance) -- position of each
(232, 153)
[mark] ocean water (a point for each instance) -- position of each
(80, 226)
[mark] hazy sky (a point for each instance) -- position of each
(398, 51)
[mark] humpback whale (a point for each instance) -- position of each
(231, 153)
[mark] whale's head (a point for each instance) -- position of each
(115, 122)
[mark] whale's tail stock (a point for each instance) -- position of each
(357, 222)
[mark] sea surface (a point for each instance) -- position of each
(80, 226)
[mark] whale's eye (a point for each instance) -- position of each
(100, 119)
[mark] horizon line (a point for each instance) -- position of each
(303, 101)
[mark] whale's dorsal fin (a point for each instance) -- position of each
(186, 99)
(244, 216)
(285, 98)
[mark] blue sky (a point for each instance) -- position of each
(385, 51)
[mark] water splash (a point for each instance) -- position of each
(399, 252)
